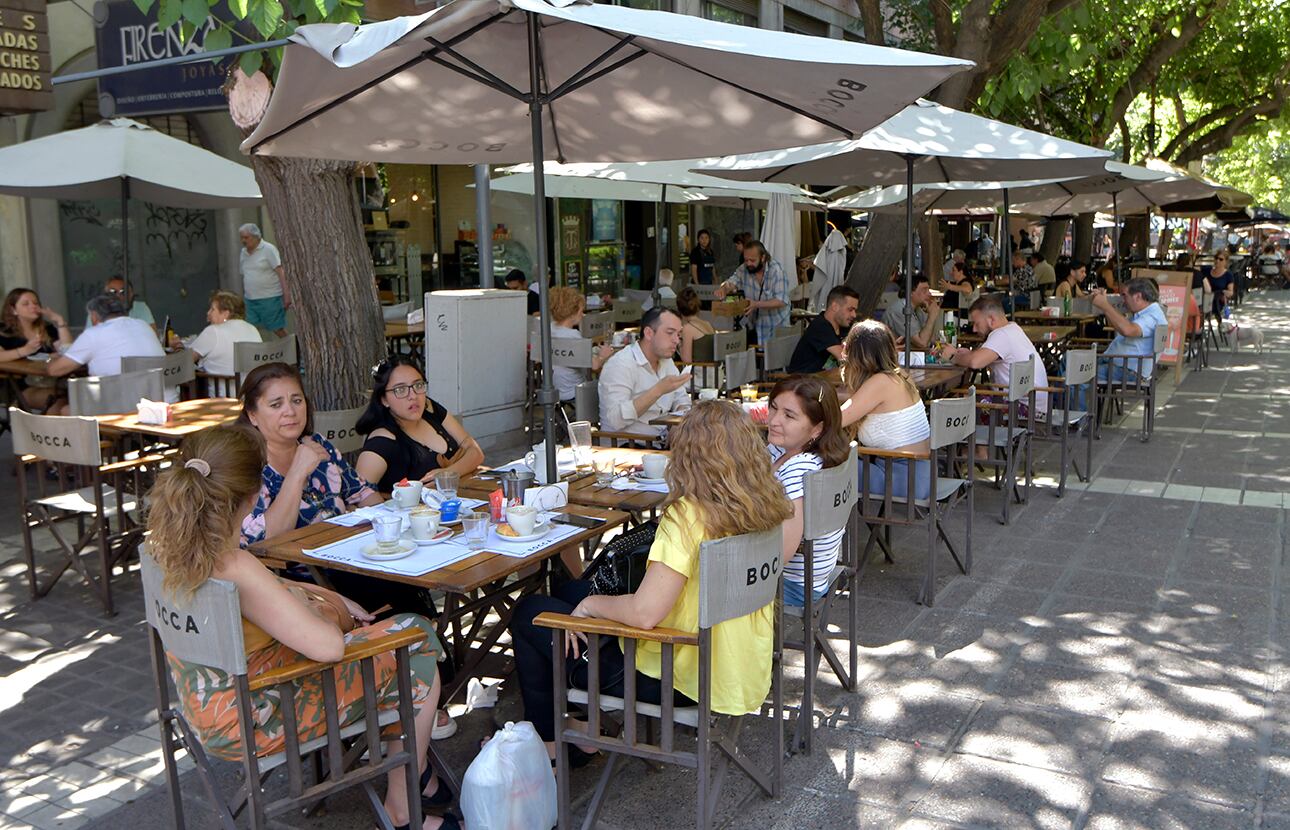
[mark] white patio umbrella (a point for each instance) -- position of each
(779, 234)
(120, 158)
(525, 80)
(924, 143)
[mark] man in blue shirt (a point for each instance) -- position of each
(1134, 335)
(764, 286)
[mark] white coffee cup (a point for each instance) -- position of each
(425, 523)
(522, 519)
(407, 495)
(708, 393)
(655, 465)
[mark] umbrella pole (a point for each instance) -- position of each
(1115, 235)
(1005, 240)
(909, 251)
(546, 395)
(484, 222)
(660, 217)
(125, 231)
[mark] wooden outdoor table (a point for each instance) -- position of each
(1038, 318)
(1050, 342)
(25, 367)
(583, 489)
(186, 417)
(928, 379)
(412, 334)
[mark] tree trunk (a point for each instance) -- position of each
(1082, 243)
(1164, 243)
(329, 275)
(929, 237)
(1054, 235)
(883, 247)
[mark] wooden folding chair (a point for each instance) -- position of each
(586, 405)
(953, 429)
(828, 501)
(1062, 414)
(738, 575)
(778, 352)
(740, 368)
(178, 371)
(1008, 432)
(102, 502)
(597, 325)
(206, 629)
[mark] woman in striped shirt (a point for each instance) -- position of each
(805, 435)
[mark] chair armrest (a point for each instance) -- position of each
(353, 653)
(981, 387)
(594, 625)
(1001, 407)
(906, 454)
(121, 466)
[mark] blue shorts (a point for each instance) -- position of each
(268, 313)
(877, 469)
(794, 596)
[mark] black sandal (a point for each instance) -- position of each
(450, 822)
(442, 795)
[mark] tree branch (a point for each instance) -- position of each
(943, 27)
(871, 17)
(1187, 133)
(1221, 137)
(1126, 138)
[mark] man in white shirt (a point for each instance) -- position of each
(264, 282)
(1005, 343)
(641, 382)
(111, 336)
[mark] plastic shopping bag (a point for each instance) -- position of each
(510, 785)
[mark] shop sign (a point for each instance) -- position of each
(125, 36)
(570, 235)
(25, 68)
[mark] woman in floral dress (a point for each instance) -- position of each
(197, 508)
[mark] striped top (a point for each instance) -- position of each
(826, 549)
(892, 430)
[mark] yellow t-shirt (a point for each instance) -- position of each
(741, 648)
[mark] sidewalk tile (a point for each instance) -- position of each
(1186, 492)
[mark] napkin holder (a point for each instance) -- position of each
(153, 412)
(547, 496)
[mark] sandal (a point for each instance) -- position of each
(442, 795)
(450, 822)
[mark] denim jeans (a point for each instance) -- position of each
(794, 595)
(877, 470)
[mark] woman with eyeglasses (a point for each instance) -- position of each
(409, 435)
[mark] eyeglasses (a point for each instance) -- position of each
(402, 390)
(116, 291)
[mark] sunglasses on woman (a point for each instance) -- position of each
(402, 390)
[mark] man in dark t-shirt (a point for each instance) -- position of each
(822, 339)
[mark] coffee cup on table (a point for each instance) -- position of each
(425, 523)
(708, 393)
(407, 493)
(654, 465)
(522, 519)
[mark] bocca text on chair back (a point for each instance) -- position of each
(205, 628)
(1081, 366)
(65, 440)
(114, 394)
(738, 575)
(177, 368)
(337, 427)
(1021, 382)
(827, 499)
(727, 343)
(246, 356)
(953, 419)
(626, 311)
(597, 325)
(565, 351)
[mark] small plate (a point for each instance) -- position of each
(450, 522)
(375, 553)
(647, 480)
(538, 532)
(443, 535)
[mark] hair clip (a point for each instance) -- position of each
(377, 367)
(200, 465)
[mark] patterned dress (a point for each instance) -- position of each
(208, 696)
(329, 489)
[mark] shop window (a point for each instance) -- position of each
(741, 12)
(798, 23)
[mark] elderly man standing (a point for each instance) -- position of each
(264, 282)
(110, 336)
(764, 286)
(641, 382)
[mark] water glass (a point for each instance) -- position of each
(604, 465)
(446, 481)
(580, 440)
(387, 530)
(475, 529)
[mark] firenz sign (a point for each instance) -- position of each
(25, 69)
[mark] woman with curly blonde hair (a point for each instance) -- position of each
(194, 522)
(719, 484)
(885, 410)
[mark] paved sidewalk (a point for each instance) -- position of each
(1116, 660)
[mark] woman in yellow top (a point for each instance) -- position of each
(720, 484)
(196, 513)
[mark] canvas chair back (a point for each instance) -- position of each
(597, 325)
(789, 330)
(1081, 366)
(741, 368)
(338, 427)
(953, 419)
(246, 356)
(707, 293)
(205, 628)
(114, 394)
(779, 350)
(65, 440)
(728, 343)
(1021, 382)
(738, 575)
(627, 311)
(565, 351)
(177, 368)
(1081, 305)
(828, 497)
(586, 402)
(636, 295)
(397, 313)
(1159, 337)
